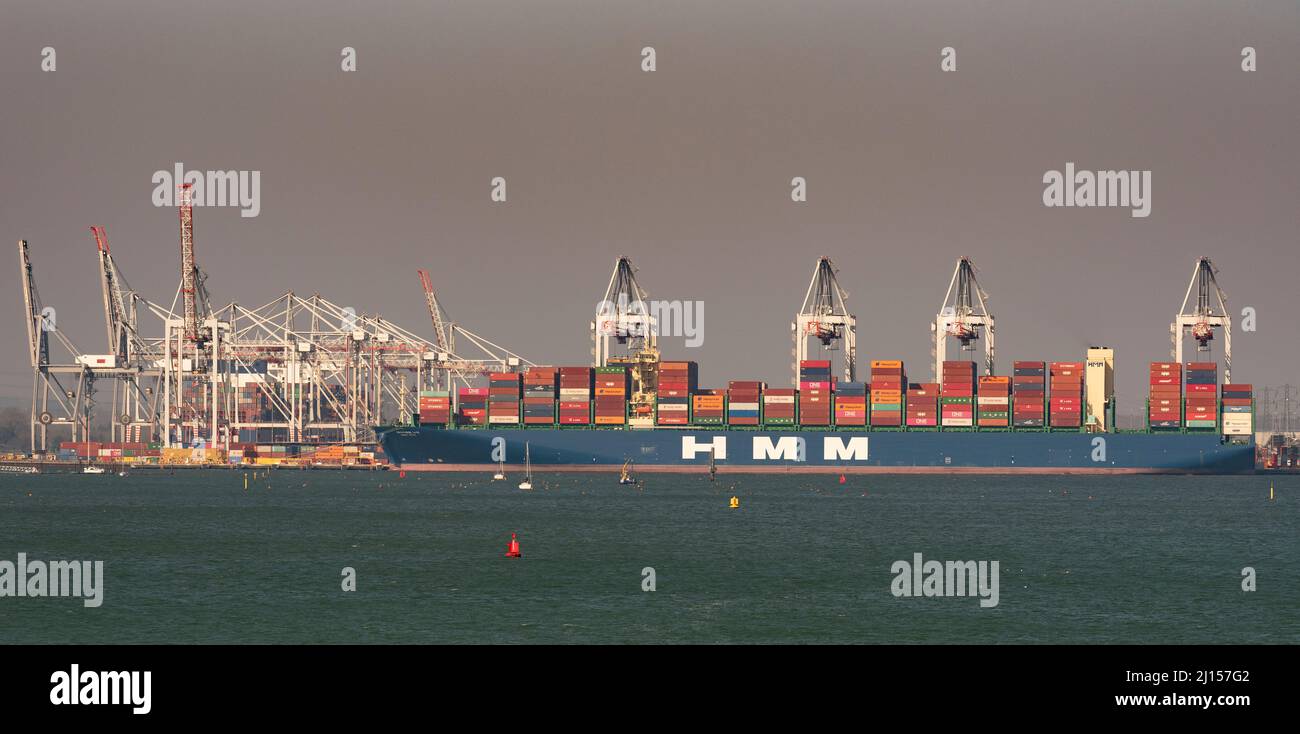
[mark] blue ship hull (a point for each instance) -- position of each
(464, 449)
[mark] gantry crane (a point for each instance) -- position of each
(442, 360)
(134, 405)
(62, 393)
(441, 333)
(624, 315)
(1200, 319)
(825, 317)
(963, 316)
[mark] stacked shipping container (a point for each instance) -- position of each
(1164, 404)
(503, 398)
(779, 406)
(1029, 394)
(888, 386)
(1201, 401)
(815, 392)
(677, 380)
(993, 402)
(1238, 410)
(472, 406)
(957, 397)
(923, 405)
(1065, 407)
(539, 396)
(435, 407)
(743, 401)
(575, 396)
(707, 408)
(851, 404)
(611, 396)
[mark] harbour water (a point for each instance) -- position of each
(193, 557)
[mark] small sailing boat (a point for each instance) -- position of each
(527, 484)
(626, 476)
(501, 471)
(713, 467)
(92, 470)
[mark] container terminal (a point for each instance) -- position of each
(304, 382)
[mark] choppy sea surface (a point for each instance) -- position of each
(193, 556)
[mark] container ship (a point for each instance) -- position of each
(1037, 420)
(1044, 417)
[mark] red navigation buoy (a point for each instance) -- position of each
(512, 550)
(842, 479)
(401, 474)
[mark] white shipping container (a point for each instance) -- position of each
(503, 419)
(958, 422)
(993, 401)
(672, 408)
(778, 399)
(1237, 430)
(743, 406)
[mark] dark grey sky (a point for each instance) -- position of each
(367, 176)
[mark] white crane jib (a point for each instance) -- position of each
(825, 317)
(1200, 319)
(963, 316)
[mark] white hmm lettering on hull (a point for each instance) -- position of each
(782, 448)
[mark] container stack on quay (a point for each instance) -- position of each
(780, 406)
(957, 397)
(1238, 410)
(677, 380)
(851, 403)
(923, 405)
(743, 398)
(118, 452)
(472, 406)
(575, 396)
(816, 390)
(1201, 401)
(611, 396)
(1164, 405)
(1066, 395)
(539, 396)
(993, 402)
(888, 384)
(503, 398)
(708, 408)
(1029, 394)
(435, 407)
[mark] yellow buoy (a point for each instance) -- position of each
(1270, 491)
(735, 502)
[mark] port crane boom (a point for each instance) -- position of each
(964, 316)
(825, 317)
(624, 315)
(1199, 319)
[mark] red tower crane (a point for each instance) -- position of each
(189, 270)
